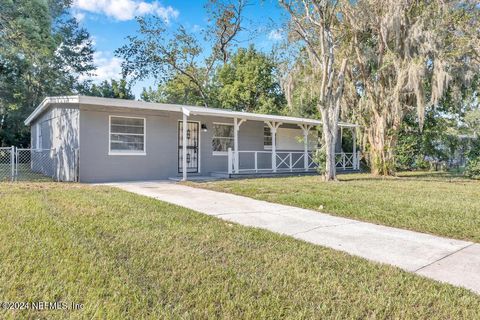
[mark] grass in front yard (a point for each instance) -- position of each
(439, 203)
(127, 256)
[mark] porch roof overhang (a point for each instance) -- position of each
(258, 117)
(185, 109)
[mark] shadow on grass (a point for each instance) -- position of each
(420, 176)
(450, 176)
(427, 176)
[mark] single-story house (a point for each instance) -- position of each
(102, 140)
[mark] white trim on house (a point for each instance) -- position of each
(191, 110)
(221, 153)
(38, 135)
(127, 152)
(266, 147)
(47, 102)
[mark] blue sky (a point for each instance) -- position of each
(110, 21)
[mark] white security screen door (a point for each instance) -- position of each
(193, 147)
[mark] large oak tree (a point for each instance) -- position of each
(407, 55)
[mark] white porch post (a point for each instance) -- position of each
(273, 129)
(306, 130)
(274, 147)
(341, 139)
(230, 160)
(305, 148)
(354, 138)
(236, 127)
(235, 142)
(184, 143)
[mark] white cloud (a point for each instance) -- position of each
(126, 9)
(79, 16)
(108, 67)
(94, 40)
(275, 35)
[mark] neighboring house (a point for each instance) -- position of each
(101, 139)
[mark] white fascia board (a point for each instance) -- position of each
(98, 101)
(134, 104)
(251, 116)
(47, 102)
(259, 117)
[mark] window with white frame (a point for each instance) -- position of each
(127, 135)
(267, 138)
(222, 138)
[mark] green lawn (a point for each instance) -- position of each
(5, 171)
(126, 256)
(439, 203)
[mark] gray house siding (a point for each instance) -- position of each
(96, 165)
(41, 161)
(45, 124)
(161, 145)
(59, 132)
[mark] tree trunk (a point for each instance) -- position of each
(382, 144)
(330, 132)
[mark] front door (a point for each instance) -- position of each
(192, 146)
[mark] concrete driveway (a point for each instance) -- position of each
(447, 260)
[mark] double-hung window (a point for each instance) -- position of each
(127, 135)
(222, 138)
(267, 138)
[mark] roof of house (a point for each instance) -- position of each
(189, 110)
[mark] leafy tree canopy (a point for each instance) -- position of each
(248, 83)
(179, 89)
(43, 52)
(114, 89)
(164, 54)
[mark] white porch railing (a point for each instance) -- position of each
(347, 160)
(285, 161)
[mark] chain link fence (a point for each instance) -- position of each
(7, 172)
(22, 164)
(34, 164)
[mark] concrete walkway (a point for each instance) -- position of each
(448, 260)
